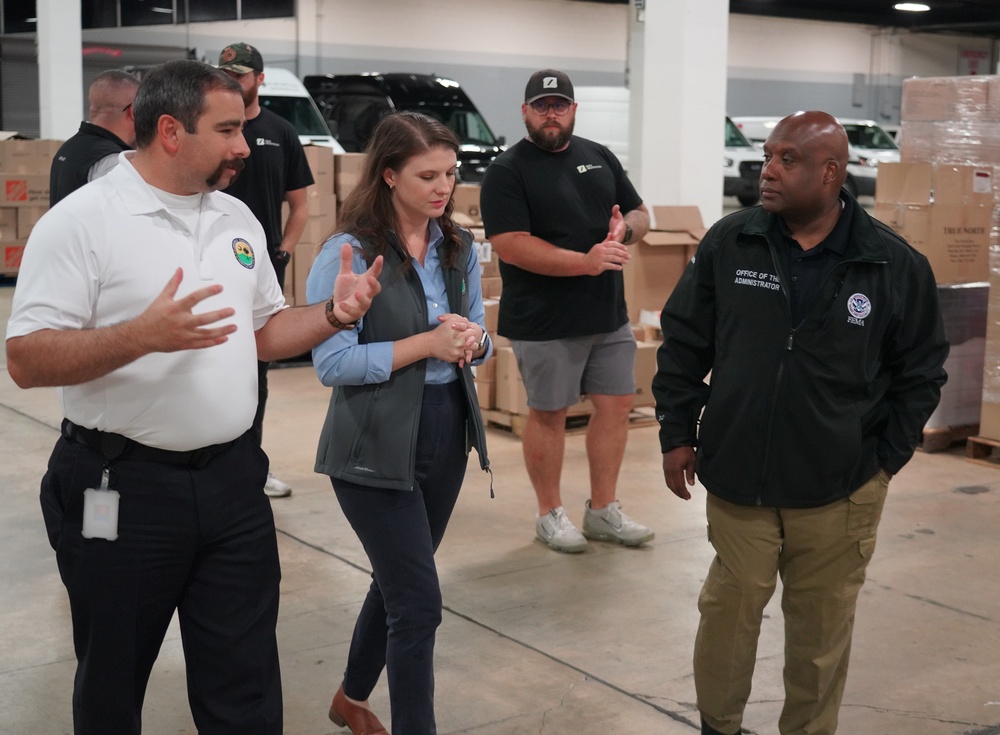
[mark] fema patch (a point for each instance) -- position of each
(243, 252)
(858, 307)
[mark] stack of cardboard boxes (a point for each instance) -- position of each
(943, 198)
(24, 196)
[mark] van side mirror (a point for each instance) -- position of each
(502, 140)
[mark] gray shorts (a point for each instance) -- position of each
(556, 372)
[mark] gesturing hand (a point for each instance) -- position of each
(609, 255)
(616, 227)
(353, 293)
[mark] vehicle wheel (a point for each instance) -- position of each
(852, 188)
(748, 201)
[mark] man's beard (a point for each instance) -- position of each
(249, 95)
(550, 139)
(236, 163)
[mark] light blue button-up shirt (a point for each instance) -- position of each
(342, 360)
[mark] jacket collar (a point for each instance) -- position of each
(864, 241)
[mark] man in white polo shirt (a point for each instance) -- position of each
(148, 296)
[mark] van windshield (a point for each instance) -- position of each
(869, 136)
(299, 112)
(468, 125)
(734, 138)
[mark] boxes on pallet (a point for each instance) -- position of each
(943, 210)
(963, 309)
(28, 156)
(951, 98)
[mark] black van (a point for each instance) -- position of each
(353, 103)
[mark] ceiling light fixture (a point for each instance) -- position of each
(912, 7)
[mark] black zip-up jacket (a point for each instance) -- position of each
(798, 416)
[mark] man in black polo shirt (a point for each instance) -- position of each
(276, 171)
(94, 149)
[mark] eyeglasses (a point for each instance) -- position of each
(541, 107)
(125, 108)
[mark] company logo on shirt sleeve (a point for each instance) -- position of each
(243, 252)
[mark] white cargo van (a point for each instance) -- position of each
(284, 94)
(868, 146)
(602, 116)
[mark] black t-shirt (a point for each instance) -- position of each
(276, 165)
(564, 198)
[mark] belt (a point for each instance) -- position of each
(116, 446)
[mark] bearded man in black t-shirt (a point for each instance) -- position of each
(559, 212)
(276, 171)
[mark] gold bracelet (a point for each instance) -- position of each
(334, 321)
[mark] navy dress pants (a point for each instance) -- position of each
(400, 531)
(200, 541)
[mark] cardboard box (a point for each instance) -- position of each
(13, 251)
(486, 391)
(492, 287)
(302, 261)
(321, 164)
(24, 189)
(27, 217)
(492, 307)
(28, 156)
(659, 259)
(8, 223)
(466, 211)
(954, 238)
(963, 310)
(347, 173)
(934, 183)
(645, 369)
(488, 370)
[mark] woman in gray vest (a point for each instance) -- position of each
(404, 411)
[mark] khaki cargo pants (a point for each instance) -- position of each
(821, 555)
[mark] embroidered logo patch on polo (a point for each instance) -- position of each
(243, 252)
(858, 307)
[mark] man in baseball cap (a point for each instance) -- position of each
(242, 58)
(559, 212)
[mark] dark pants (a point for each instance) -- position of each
(400, 531)
(199, 541)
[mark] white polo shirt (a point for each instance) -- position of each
(102, 255)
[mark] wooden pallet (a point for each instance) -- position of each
(942, 437)
(576, 423)
(981, 450)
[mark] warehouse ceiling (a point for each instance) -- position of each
(972, 17)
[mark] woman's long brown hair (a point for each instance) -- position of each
(367, 213)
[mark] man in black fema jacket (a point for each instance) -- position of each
(822, 332)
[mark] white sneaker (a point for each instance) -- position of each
(556, 529)
(610, 524)
(275, 488)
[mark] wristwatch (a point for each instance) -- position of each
(628, 235)
(482, 341)
(281, 256)
(334, 321)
